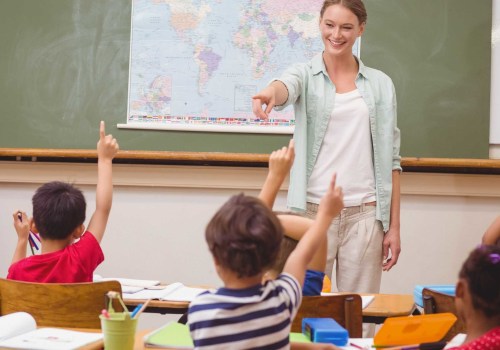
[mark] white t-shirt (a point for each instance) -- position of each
(346, 150)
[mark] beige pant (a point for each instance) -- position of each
(355, 243)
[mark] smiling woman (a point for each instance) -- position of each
(345, 123)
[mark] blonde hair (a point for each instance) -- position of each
(355, 6)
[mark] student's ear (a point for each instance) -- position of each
(78, 232)
(33, 226)
(459, 289)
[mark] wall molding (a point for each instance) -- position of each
(217, 177)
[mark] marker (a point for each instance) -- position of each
(143, 307)
(357, 346)
(31, 246)
(105, 313)
(20, 217)
(32, 242)
(136, 310)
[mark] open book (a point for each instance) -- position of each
(18, 331)
(129, 285)
(172, 292)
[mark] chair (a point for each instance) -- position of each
(437, 302)
(343, 308)
(72, 305)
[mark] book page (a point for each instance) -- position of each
(183, 293)
(51, 339)
(365, 299)
(152, 293)
(15, 324)
(128, 281)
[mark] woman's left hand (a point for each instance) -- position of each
(392, 245)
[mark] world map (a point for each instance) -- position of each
(199, 62)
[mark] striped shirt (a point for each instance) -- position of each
(258, 317)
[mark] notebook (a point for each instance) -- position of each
(172, 292)
(365, 299)
(19, 331)
(172, 335)
(176, 336)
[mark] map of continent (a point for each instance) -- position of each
(199, 62)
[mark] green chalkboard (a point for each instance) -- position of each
(64, 66)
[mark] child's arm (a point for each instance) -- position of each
(331, 204)
(280, 162)
(295, 227)
(107, 147)
(492, 234)
(312, 346)
(22, 227)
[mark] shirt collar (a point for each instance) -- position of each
(318, 65)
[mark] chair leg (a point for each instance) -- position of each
(429, 304)
(348, 311)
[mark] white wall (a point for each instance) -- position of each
(156, 228)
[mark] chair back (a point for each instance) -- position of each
(72, 305)
(343, 308)
(437, 302)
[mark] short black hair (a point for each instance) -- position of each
(481, 270)
(244, 236)
(58, 209)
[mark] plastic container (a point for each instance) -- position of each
(118, 331)
(406, 330)
(324, 330)
(442, 288)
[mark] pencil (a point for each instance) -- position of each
(142, 308)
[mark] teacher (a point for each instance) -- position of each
(345, 117)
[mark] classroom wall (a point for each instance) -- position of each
(156, 228)
(495, 83)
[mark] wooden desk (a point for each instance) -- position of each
(159, 306)
(382, 306)
(389, 305)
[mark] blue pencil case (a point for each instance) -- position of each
(324, 330)
(442, 288)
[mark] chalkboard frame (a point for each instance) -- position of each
(101, 50)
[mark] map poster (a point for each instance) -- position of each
(195, 64)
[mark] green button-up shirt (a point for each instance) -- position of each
(312, 94)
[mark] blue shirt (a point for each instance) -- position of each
(255, 317)
(312, 94)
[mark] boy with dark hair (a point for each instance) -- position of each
(58, 216)
(244, 238)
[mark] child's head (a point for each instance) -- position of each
(244, 236)
(286, 248)
(480, 276)
(58, 209)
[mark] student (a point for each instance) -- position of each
(58, 216)
(243, 237)
(280, 163)
(492, 234)
(346, 121)
(478, 298)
